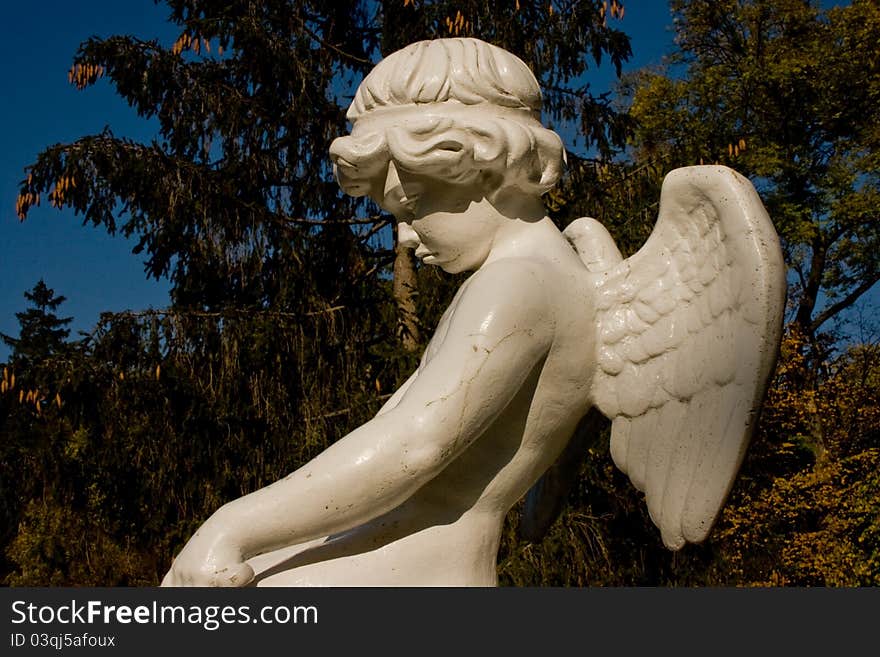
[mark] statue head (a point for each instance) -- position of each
(460, 111)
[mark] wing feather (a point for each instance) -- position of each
(663, 454)
(688, 333)
(678, 475)
(620, 442)
(639, 448)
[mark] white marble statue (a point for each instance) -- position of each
(675, 344)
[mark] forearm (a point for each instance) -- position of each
(367, 473)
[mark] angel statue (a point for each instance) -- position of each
(674, 345)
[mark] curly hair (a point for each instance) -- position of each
(458, 109)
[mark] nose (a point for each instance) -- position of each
(406, 236)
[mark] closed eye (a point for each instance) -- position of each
(409, 203)
(449, 146)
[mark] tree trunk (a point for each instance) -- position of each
(397, 31)
(810, 293)
(404, 290)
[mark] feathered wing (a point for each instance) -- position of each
(688, 332)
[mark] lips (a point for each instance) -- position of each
(426, 257)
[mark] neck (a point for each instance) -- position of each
(517, 238)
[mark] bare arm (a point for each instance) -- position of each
(498, 332)
(442, 328)
(394, 399)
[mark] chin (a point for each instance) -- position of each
(454, 267)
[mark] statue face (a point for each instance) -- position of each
(449, 225)
(454, 234)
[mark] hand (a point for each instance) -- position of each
(209, 559)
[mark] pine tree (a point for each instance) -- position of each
(42, 332)
(236, 193)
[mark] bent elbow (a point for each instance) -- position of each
(425, 452)
(423, 462)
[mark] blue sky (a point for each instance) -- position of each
(97, 272)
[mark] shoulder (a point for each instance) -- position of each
(509, 293)
(517, 278)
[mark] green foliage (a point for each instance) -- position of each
(140, 433)
(786, 93)
(60, 546)
(812, 476)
